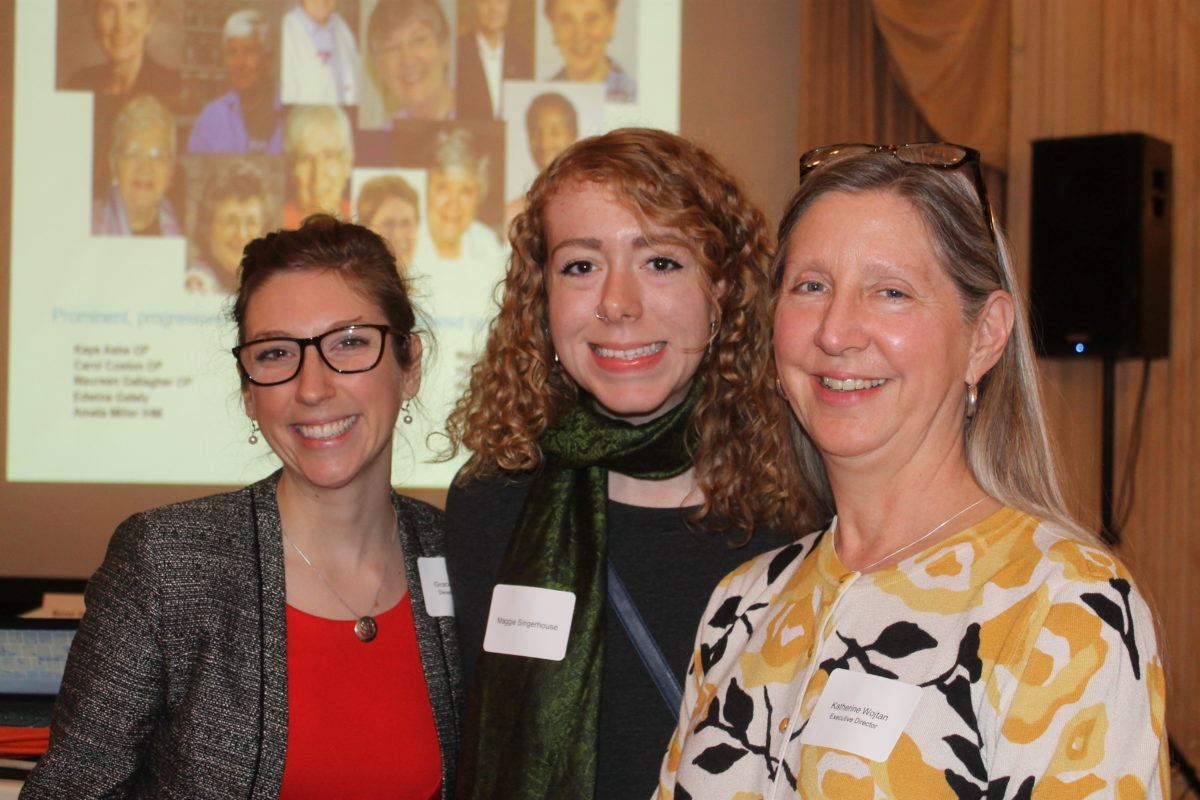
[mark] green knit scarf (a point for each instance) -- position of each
(531, 723)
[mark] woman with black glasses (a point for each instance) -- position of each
(291, 639)
(949, 630)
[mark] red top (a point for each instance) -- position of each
(359, 720)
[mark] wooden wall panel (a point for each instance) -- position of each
(1152, 82)
(1099, 66)
(1078, 67)
(1055, 69)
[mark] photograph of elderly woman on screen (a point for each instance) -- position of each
(495, 45)
(459, 257)
(234, 200)
(319, 59)
(140, 155)
(318, 146)
(594, 41)
(410, 51)
(119, 47)
(248, 118)
(460, 176)
(551, 126)
(389, 203)
(544, 119)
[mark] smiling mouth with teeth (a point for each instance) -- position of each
(328, 430)
(629, 355)
(851, 384)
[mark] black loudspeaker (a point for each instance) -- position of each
(1100, 246)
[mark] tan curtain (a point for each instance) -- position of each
(848, 92)
(952, 58)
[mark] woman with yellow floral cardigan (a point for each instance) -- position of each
(950, 632)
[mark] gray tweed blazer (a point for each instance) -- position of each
(176, 685)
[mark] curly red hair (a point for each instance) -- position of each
(743, 460)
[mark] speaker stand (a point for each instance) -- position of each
(1108, 532)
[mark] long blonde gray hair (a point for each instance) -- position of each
(1007, 442)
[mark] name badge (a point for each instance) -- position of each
(529, 621)
(861, 714)
(435, 585)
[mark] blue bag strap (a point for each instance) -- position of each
(643, 641)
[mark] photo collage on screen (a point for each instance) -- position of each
(426, 120)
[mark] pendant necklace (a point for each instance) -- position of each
(365, 626)
(924, 536)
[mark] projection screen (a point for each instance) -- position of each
(119, 382)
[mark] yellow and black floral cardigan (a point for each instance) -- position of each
(1034, 653)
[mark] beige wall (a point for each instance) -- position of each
(741, 92)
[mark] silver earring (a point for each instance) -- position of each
(712, 336)
(253, 437)
(972, 399)
(550, 343)
(406, 408)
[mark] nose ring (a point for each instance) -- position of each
(600, 316)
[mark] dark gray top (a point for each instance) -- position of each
(670, 571)
(176, 684)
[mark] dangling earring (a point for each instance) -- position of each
(550, 344)
(253, 437)
(712, 336)
(779, 388)
(406, 408)
(972, 399)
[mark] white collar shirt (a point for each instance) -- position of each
(493, 68)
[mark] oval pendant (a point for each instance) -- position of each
(365, 629)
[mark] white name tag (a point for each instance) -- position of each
(861, 714)
(528, 621)
(435, 585)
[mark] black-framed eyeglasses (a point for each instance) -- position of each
(939, 155)
(278, 359)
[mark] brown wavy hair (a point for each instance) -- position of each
(743, 460)
(325, 243)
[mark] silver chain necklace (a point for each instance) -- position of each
(924, 536)
(365, 626)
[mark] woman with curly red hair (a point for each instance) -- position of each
(623, 413)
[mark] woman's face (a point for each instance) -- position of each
(328, 429)
(452, 203)
(320, 169)
(396, 220)
(492, 15)
(629, 314)
(235, 221)
(245, 60)
(122, 27)
(550, 134)
(582, 30)
(319, 10)
(412, 63)
(871, 344)
(142, 165)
